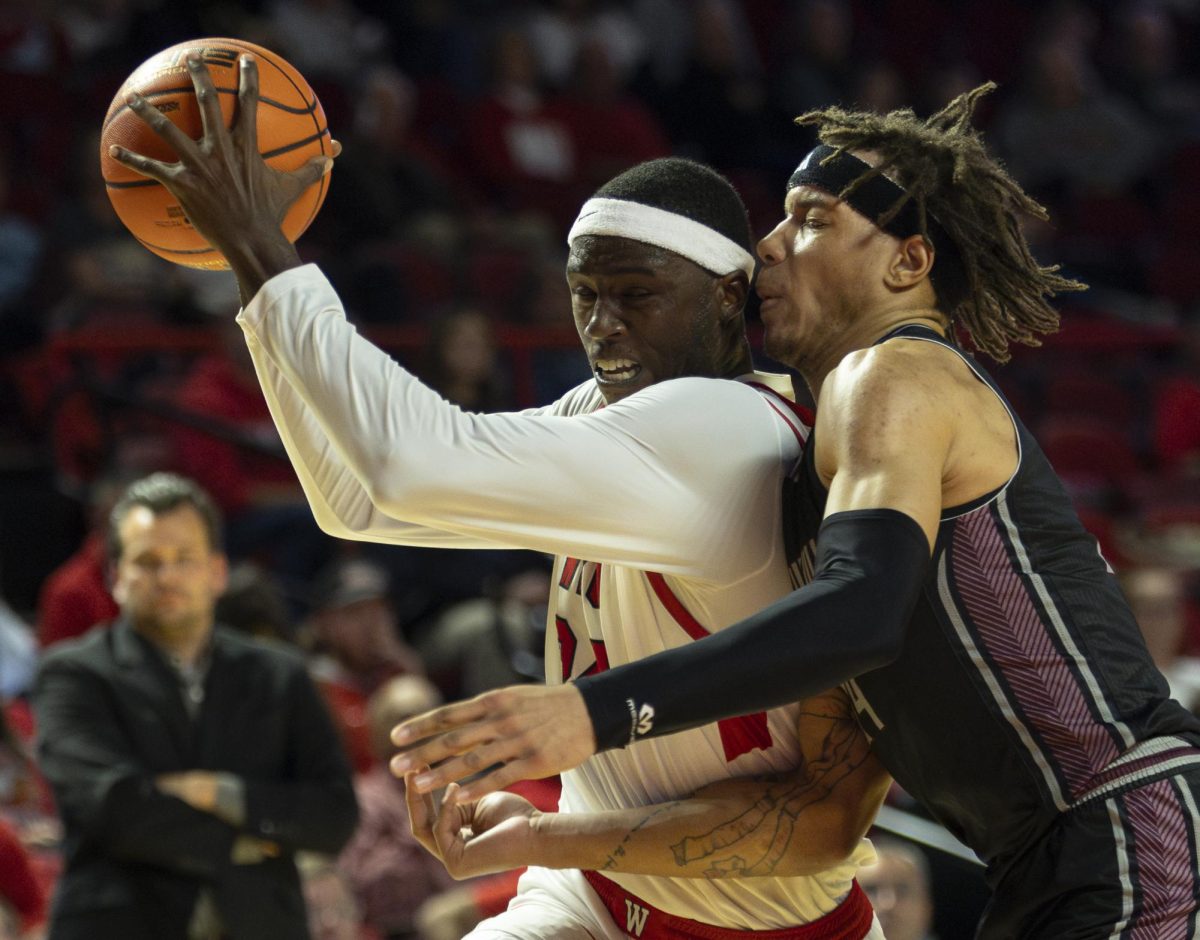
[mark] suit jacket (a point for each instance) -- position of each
(111, 718)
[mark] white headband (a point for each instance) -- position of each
(697, 242)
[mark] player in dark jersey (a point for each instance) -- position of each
(946, 578)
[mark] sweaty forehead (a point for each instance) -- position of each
(804, 196)
(611, 253)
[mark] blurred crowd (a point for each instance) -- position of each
(472, 131)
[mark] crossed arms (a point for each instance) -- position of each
(180, 821)
(798, 823)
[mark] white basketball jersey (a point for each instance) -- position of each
(663, 510)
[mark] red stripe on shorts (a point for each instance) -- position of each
(850, 920)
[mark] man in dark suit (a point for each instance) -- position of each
(189, 763)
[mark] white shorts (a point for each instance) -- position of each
(551, 904)
(554, 904)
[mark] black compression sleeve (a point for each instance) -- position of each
(849, 619)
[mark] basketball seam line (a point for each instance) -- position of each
(310, 111)
(309, 108)
(133, 184)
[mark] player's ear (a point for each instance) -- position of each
(732, 291)
(910, 263)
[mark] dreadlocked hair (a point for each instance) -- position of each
(997, 292)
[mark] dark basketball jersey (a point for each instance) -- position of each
(1024, 687)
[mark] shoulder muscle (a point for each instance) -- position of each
(885, 425)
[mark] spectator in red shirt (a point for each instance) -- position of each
(222, 387)
(611, 129)
(520, 147)
(75, 596)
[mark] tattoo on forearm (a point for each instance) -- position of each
(754, 842)
(613, 860)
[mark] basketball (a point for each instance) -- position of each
(291, 130)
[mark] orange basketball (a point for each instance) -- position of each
(291, 130)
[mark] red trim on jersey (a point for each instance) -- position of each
(850, 920)
(593, 589)
(799, 412)
(568, 572)
(799, 438)
(566, 646)
(738, 735)
(744, 734)
(674, 606)
(601, 654)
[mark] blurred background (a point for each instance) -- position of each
(472, 131)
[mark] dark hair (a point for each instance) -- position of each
(687, 188)
(1001, 295)
(160, 493)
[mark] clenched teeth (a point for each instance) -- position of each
(615, 365)
(615, 371)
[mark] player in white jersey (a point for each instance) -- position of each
(663, 507)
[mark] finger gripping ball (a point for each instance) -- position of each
(291, 130)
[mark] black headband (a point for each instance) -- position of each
(872, 198)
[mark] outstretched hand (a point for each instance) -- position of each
(522, 732)
(471, 839)
(225, 187)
